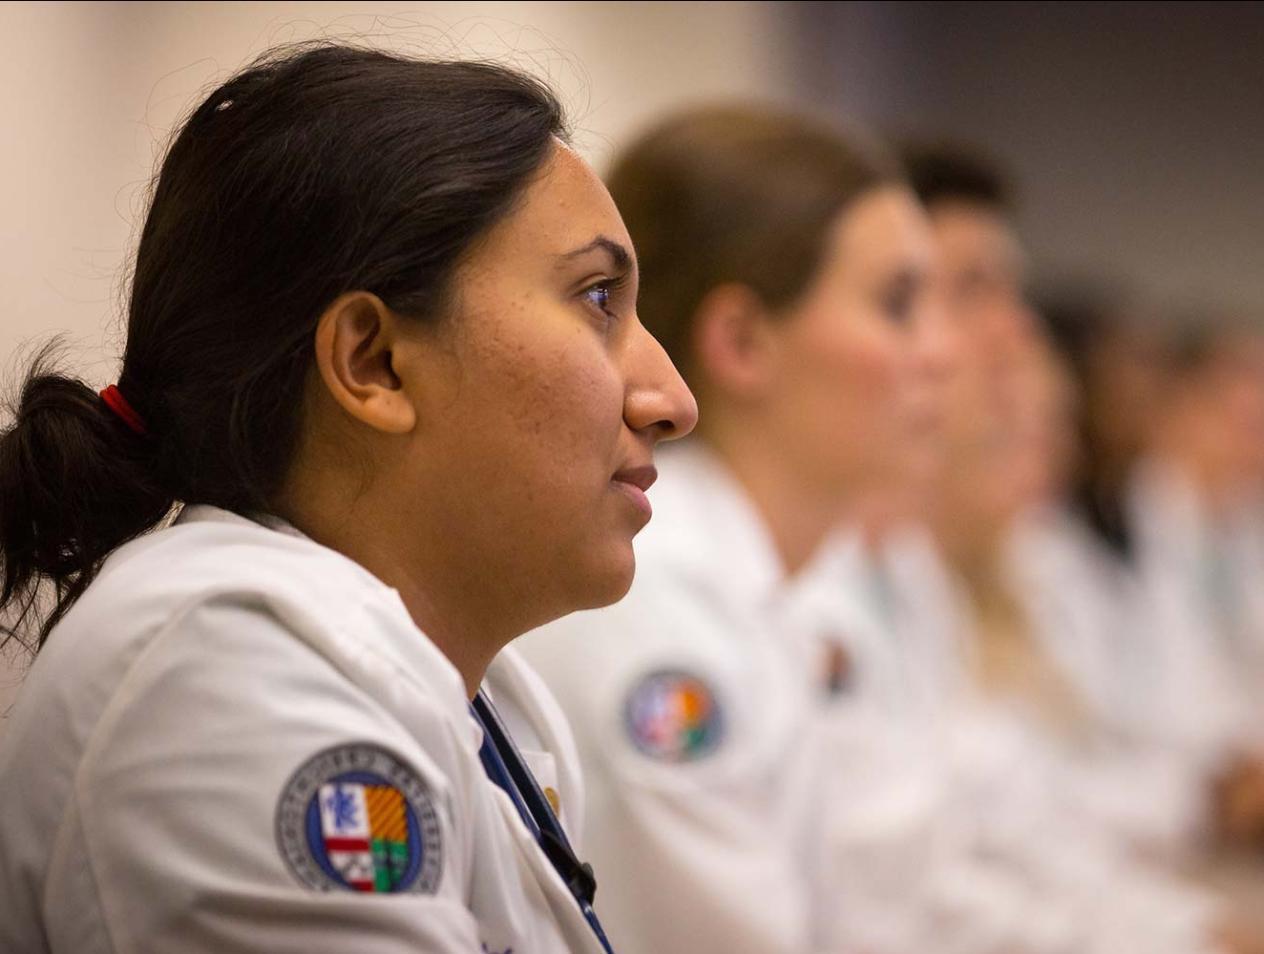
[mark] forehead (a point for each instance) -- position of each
(563, 208)
(973, 236)
(883, 230)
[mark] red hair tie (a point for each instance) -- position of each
(115, 401)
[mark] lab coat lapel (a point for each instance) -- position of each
(556, 895)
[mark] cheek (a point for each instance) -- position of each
(859, 373)
(536, 404)
(565, 401)
(1248, 400)
(851, 410)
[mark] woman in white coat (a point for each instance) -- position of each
(382, 347)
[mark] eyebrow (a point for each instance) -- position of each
(619, 255)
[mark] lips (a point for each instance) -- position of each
(639, 477)
(633, 482)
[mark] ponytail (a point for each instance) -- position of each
(75, 482)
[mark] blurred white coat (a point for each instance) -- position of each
(872, 818)
(1202, 578)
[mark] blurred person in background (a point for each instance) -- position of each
(1113, 350)
(1195, 500)
(1010, 452)
(1008, 444)
(1168, 480)
(1195, 505)
(1034, 743)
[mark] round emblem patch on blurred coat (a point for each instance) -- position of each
(357, 818)
(674, 716)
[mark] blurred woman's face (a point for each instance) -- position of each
(857, 400)
(549, 397)
(1213, 419)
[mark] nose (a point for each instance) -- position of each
(1025, 316)
(1012, 316)
(657, 402)
(937, 345)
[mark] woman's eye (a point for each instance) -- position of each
(599, 296)
(899, 308)
(899, 298)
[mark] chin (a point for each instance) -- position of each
(607, 580)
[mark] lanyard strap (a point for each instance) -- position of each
(508, 770)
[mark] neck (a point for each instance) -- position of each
(798, 517)
(1216, 487)
(466, 626)
(461, 624)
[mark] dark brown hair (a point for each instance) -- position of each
(734, 194)
(318, 170)
(949, 172)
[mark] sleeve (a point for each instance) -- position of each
(240, 794)
(891, 868)
(684, 821)
(912, 859)
(711, 869)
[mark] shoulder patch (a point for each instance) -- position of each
(356, 817)
(674, 716)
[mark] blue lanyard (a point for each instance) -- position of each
(505, 767)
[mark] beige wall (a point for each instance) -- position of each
(88, 92)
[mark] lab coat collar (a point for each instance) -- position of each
(706, 527)
(197, 513)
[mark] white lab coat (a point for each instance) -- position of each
(1201, 578)
(1064, 819)
(146, 759)
(1099, 624)
(848, 822)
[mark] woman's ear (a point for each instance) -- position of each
(356, 341)
(735, 346)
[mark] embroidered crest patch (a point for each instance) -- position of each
(357, 818)
(674, 716)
